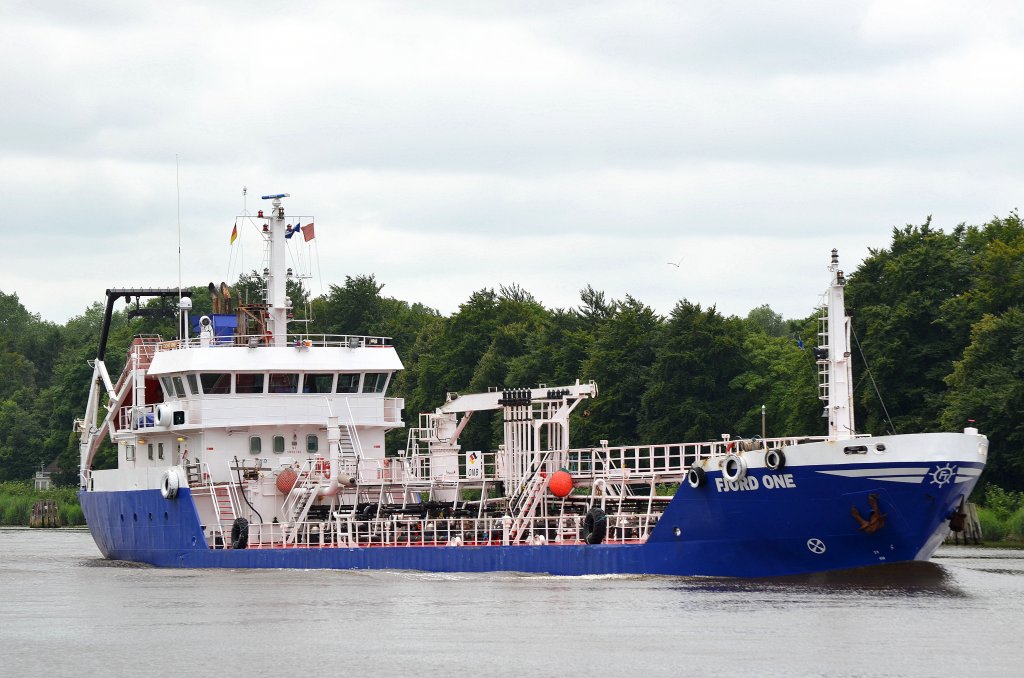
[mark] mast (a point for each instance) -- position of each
(277, 297)
(833, 357)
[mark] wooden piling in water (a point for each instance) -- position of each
(45, 513)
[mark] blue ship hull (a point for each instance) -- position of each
(770, 524)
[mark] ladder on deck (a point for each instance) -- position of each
(524, 504)
(301, 498)
(225, 505)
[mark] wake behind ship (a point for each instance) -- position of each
(252, 446)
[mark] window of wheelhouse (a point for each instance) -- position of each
(174, 387)
(216, 383)
(284, 383)
(248, 383)
(375, 382)
(348, 383)
(179, 386)
(317, 383)
(193, 384)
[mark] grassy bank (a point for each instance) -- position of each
(17, 497)
(1001, 516)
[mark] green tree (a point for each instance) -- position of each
(690, 393)
(782, 377)
(987, 386)
(620, 360)
(896, 298)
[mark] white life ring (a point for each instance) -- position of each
(169, 484)
(164, 415)
(734, 467)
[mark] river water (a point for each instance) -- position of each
(64, 611)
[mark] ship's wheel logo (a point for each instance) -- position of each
(816, 546)
(943, 475)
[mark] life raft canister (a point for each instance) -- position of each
(595, 526)
(286, 480)
(734, 467)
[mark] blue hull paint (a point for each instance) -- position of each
(743, 533)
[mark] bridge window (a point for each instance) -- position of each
(278, 444)
(255, 445)
(248, 383)
(179, 387)
(312, 443)
(374, 382)
(348, 383)
(284, 383)
(216, 383)
(193, 384)
(168, 387)
(317, 383)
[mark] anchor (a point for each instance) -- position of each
(958, 517)
(876, 519)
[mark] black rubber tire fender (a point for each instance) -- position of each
(775, 459)
(240, 533)
(595, 526)
(696, 477)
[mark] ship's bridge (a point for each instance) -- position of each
(241, 382)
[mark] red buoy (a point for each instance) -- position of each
(286, 480)
(561, 483)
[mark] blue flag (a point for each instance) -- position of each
(800, 343)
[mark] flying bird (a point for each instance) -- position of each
(676, 264)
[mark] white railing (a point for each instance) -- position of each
(347, 531)
(672, 459)
(293, 340)
(136, 417)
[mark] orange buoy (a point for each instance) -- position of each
(561, 483)
(286, 480)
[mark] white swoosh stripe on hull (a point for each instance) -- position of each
(874, 472)
(900, 479)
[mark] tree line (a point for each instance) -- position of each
(938, 342)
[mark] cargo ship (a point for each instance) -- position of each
(248, 442)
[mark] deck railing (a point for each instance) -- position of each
(298, 341)
(349, 531)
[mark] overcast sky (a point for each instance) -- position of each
(449, 146)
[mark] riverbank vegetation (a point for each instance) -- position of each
(1002, 516)
(17, 498)
(937, 316)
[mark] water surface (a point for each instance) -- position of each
(64, 611)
